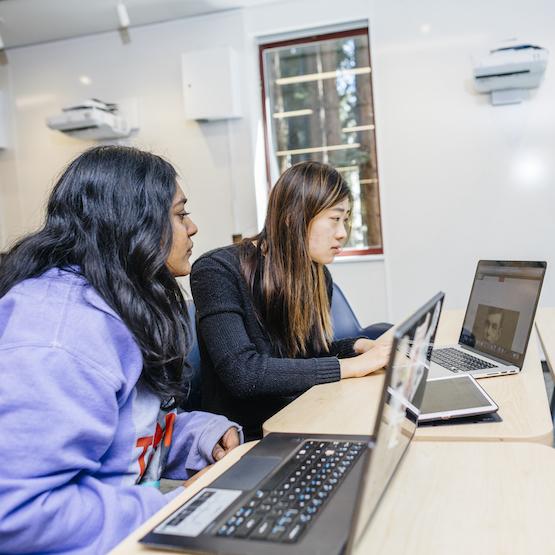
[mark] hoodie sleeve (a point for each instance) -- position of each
(59, 416)
(194, 436)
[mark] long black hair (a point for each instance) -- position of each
(288, 275)
(108, 219)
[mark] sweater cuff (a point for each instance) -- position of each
(219, 426)
(344, 348)
(328, 370)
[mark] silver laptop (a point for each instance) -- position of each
(497, 323)
(309, 494)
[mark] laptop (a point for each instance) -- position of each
(497, 323)
(311, 493)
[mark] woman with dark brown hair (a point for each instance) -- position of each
(263, 306)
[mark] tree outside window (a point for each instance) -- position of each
(318, 105)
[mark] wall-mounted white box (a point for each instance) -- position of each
(211, 84)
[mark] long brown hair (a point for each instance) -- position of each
(291, 294)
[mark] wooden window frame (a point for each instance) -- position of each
(359, 31)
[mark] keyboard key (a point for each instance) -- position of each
(262, 530)
(247, 527)
(293, 534)
(276, 533)
(305, 517)
(284, 521)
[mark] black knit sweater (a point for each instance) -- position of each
(242, 377)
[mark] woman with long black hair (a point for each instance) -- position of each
(93, 344)
(263, 306)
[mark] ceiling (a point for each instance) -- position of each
(24, 22)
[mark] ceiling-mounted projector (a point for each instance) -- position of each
(508, 71)
(91, 119)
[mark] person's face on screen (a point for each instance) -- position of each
(183, 228)
(327, 233)
(492, 331)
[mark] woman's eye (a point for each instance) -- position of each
(183, 215)
(336, 219)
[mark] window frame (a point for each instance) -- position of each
(305, 39)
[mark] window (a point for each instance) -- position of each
(317, 105)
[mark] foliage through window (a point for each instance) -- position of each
(317, 103)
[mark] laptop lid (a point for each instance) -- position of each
(399, 409)
(501, 309)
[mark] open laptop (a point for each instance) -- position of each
(313, 493)
(497, 323)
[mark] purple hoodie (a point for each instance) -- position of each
(82, 441)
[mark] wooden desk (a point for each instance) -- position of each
(462, 498)
(447, 497)
(349, 406)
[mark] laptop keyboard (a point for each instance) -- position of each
(287, 503)
(456, 360)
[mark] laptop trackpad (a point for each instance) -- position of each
(246, 473)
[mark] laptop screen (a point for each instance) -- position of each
(501, 308)
(397, 418)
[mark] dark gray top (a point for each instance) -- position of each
(242, 377)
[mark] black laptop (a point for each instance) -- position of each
(315, 493)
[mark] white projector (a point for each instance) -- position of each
(506, 72)
(90, 120)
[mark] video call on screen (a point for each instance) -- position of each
(501, 310)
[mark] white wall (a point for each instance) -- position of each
(213, 158)
(460, 179)
(454, 184)
(9, 199)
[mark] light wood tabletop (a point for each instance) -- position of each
(462, 498)
(447, 497)
(349, 406)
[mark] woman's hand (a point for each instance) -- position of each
(362, 345)
(227, 442)
(370, 360)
